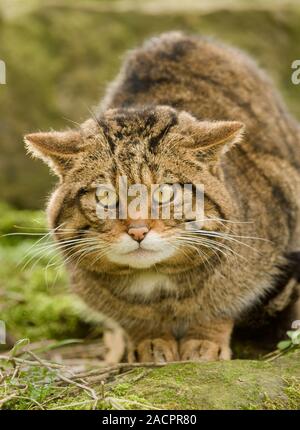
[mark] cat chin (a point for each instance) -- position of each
(140, 259)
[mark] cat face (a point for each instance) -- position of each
(160, 154)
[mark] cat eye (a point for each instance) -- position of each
(163, 194)
(107, 197)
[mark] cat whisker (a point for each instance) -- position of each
(179, 248)
(80, 252)
(197, 243)
(230, 235)
(51, 244)
(200, 252)
(232, 238)
(92, 250)
(100, 256)
(221, 220)
(210, 244)
(219, 247)
(52, 247)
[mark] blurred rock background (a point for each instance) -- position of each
(60, 55)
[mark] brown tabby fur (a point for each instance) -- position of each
(157, 124)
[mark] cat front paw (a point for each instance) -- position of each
(203, 350)
(157, 350)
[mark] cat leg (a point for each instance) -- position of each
(207, 342)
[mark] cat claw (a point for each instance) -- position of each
(203, 350)
(157, 350)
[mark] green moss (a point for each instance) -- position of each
(239, 384)
(31, 389)
(122, 389)
(289, 399)
(35, 300)
(16, 224)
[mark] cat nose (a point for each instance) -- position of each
(138, 232)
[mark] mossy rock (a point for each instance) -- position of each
(238, 384)
(234, 385)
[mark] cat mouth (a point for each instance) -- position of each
(140, 255)
(141, 252)
(139, 258)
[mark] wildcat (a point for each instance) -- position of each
(184, 109)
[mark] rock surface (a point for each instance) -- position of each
(237, 384)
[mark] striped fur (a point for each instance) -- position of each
(149, 128)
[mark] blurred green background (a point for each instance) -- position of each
(60, 55)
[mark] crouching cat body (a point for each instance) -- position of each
(182, 110)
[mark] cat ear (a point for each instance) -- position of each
(57, 149)
(60, 149)
(211, 139)
(216, 138)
